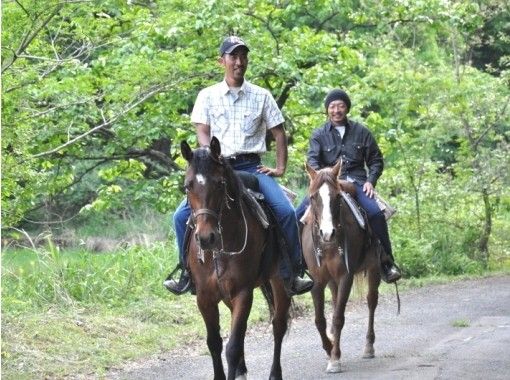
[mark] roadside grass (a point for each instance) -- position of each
(73, 313)
(76, 314)
(461, 323)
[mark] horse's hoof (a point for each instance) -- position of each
(369, 353)
(333, 366)
(241, 377)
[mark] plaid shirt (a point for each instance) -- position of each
(238, 121)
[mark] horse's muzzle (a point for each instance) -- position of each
(209, 240)
(327, 237)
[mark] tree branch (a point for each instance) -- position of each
(493, 125)
(268, 27)
(29, 37)
(134, 104)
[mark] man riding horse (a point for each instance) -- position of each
(343, 139)
(239, 114)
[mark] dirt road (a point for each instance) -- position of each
(460, 330)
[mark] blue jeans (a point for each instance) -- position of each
(375, 216)
(277, 201)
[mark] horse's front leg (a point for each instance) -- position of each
(211, 315)
(344, 291)
(374, 280)
(280, 323)
(320, 319)
(241, 307)
(333, 287)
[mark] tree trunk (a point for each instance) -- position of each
(484, 238)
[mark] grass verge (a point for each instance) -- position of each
(77, 315)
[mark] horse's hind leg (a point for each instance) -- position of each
(374, 279)
(211, 315)
(280, 323)
(241, 306)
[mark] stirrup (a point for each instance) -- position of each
(304, 286)
(183, 285)
(390, 272)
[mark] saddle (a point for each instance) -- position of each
(260, 209)
(254, 198)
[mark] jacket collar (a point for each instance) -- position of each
(330, 127)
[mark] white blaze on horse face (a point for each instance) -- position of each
(326, 223)
(200, 179)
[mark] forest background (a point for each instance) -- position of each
(96, 98)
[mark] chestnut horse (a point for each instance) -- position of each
(336, 248)
(228, 259)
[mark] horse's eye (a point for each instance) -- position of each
(188, 186)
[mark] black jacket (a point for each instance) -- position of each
(357, 149)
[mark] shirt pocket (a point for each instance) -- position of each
(218, 119)
(252, 121)
(357, 152)
(329, 154)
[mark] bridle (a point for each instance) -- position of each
(227, 202)
(317, 241)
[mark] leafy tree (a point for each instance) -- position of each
(97, 97)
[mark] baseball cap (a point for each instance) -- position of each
(230, 43)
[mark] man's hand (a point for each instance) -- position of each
(368, 189)
(270, 171)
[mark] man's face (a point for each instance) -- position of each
(337, 111)
(235, 63)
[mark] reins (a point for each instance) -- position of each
(227, 201)
(218, 216)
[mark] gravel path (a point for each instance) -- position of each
(426, 341)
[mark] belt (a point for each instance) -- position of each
(243, 157)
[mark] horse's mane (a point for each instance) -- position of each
(204, 162)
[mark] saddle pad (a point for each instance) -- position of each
(354, 208)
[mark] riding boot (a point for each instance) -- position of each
(297, 285)
(390, 272)
(181, 286)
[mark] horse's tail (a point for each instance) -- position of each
(267, 291)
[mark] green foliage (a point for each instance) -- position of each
(51, 277)
(461, 323)
(97, 97)
(114, 304)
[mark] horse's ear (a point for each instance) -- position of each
(215, 147)
(186, 151)
(337, 168)
(311, 171)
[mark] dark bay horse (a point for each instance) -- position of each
(227, 258)
(336, 248)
